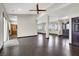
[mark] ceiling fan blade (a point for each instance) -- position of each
(42, 10)
(32, 10)
(37, 9)
(37, 6)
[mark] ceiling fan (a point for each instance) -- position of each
(37, 9)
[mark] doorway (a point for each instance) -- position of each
(13, 31)
(10, 33)
(65, 27)
(13, 27)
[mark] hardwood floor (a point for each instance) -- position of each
(40, 46)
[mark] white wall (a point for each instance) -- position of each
(2, 9)
(26, 25)
(1, 27)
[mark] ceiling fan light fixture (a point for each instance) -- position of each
(38, 9)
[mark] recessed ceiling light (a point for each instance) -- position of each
(19, 9)
(13, 10)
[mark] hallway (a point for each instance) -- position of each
(39, 46)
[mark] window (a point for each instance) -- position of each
(53, 26)
(67, 26)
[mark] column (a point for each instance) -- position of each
(47, 27)
(70, 31)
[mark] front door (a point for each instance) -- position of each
(75, 31)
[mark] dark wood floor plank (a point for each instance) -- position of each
(40, 46)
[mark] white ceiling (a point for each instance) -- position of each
(54, 10)
(23, 8)
(60, 11)
(70, 10)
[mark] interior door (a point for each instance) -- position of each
(75, 31)
(13, 30)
